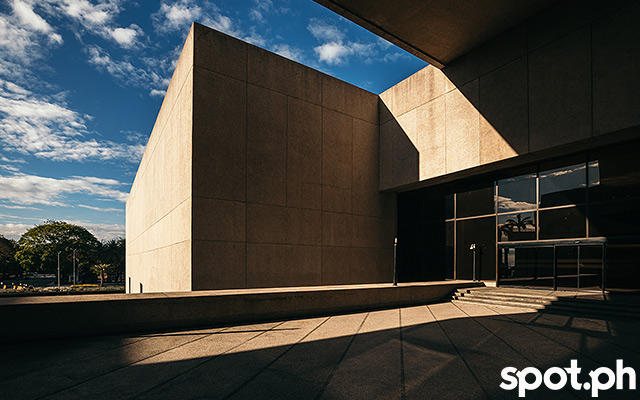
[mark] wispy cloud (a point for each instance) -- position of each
(23, 189)
(28, 17)
(46, 128)
(177, 16)
(101, 209)
(124, 71)
(97, 19)
(336, 49)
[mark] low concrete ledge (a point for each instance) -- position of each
(35, 318)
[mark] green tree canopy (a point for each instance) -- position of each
(113, 253)
(39, 247)
(8, 264)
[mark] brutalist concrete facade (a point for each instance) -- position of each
(260, 172)
(561, 81)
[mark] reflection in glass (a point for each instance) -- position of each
(475, 202)
(528, 266)
(515, 194)
(563, 223)
(516, 227)
(563, 186)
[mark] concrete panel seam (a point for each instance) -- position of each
(162, 130)
(161, 218)
(159, 248)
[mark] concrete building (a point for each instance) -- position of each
(513, 156)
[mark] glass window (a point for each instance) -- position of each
(448, 206)
(515, 194)
(516, 227)
(563, 186)
(475, 202)
(619, 218)
(563, 223)
(614, 174)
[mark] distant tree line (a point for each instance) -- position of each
(38, 250)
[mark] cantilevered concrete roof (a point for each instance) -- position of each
(437, 31)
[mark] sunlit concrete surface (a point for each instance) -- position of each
(439, 351)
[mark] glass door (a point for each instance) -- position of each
(557, 266)
(526, 266)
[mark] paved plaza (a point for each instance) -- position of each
(439, 351)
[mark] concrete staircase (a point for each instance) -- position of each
(595, 305)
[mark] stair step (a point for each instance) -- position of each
(549, 303)
(499, 303)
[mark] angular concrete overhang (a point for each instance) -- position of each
(437, 31)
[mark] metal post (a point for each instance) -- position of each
(473, 248)
(395, 270)
(59, 268)
(74, 267)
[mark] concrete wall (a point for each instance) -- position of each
(285, 172)
(159, 207)
(260, 172)
(564, 80)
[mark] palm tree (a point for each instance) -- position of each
(101, 270)
(520, 223)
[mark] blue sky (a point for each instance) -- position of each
(81, 83)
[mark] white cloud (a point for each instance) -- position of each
(28, 17)
(157, 93)
(289, 52)
(332, 53)
(46, 128)
(13, 231)
(23, 189)
(97, 19)
(177, 16)
(336, 49)
(125, 72)
(101, 209)
(126, 37)
(324, 31)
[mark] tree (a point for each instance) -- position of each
(101, 270)
(113, 252)
(8, 264)
(38, 248)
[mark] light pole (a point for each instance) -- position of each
(59, 268)
(74, 267)
(395, 271)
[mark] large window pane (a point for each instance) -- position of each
(475, 202)
(614, 174)
(623, 267)
(563, 223)
(515, 194)
(516, 227)
(563, 186)
(618, 218)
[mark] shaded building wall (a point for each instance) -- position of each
(285, 173)
(260, 172)
(158, 209)
(563, 81)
